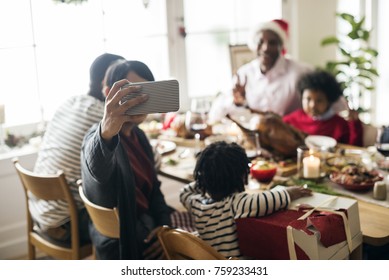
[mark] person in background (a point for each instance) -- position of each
(267, 83)
(118, 170)
(319, 90)
(217, 196)
(60, 150)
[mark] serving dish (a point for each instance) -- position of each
(356, 178)
(336, 163)
(263, 171)
(163, 146)
(319, 141)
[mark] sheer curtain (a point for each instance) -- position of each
(46, 47)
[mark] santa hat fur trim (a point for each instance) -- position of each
(279, 28)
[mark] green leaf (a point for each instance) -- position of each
(329, 41)
(344, 52)
(359, 25)
(359, 60)
(353, 34)
(366, 75)
(373, 71)
(315, 187)
(347, 17)
(365, 36)
(370, 51)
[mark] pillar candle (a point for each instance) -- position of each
(2, 114)
(311, 167)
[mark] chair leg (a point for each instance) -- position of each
(31, 252)
(93, 253)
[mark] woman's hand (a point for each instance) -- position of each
(239, 91)
(114, 113)
(154, 249)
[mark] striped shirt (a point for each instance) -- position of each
(215, 220)
(61, 150)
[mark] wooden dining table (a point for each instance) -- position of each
(374, 219)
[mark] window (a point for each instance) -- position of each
(47, 53)
(211, 26)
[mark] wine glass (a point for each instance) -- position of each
(196, 120)
(383, 149)
(3, 147)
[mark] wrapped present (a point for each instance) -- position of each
(327, 227)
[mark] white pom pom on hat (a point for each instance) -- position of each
(279, 26)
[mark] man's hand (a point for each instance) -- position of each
(239, 91)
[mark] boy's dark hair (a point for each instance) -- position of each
(321, 80)
(221, 170)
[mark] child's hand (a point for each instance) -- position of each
(353, 115)
(297, 192)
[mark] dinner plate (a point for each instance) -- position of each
(319, 141)
(356, 187)
(341, 161)
(163, 147)
(215, 138)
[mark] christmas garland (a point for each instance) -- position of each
(70, 1)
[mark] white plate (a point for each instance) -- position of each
(215, 138)
(163, 147)
(319, 141)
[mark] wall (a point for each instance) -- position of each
(13, 238)
(308, 27)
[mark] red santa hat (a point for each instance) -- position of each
(278, 26)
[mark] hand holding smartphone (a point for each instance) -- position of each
(163, 97)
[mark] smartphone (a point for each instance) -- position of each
(163, 95)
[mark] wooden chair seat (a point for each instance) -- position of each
(179, 244)
(105, 220)
(51, 187)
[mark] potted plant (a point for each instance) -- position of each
(355, 69)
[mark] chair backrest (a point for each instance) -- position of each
(179, 244)
(51, 187)
(239, 55)
(105, 220)
(370, 134)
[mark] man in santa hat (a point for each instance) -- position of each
(267, 83)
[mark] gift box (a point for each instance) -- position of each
(318, 227)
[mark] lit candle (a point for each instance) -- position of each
(311, 167)
(2, 114)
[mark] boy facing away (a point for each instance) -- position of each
(217, 196)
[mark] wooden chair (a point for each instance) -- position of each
(179, 244)
(105, 220)
(51, 187)
(239, 55)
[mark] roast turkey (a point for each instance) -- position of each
(276, 136)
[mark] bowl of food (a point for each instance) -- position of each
(263, 171)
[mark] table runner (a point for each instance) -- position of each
(366, 196)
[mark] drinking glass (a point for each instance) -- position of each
(383, 149)
(3, 147)
(196, 120)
